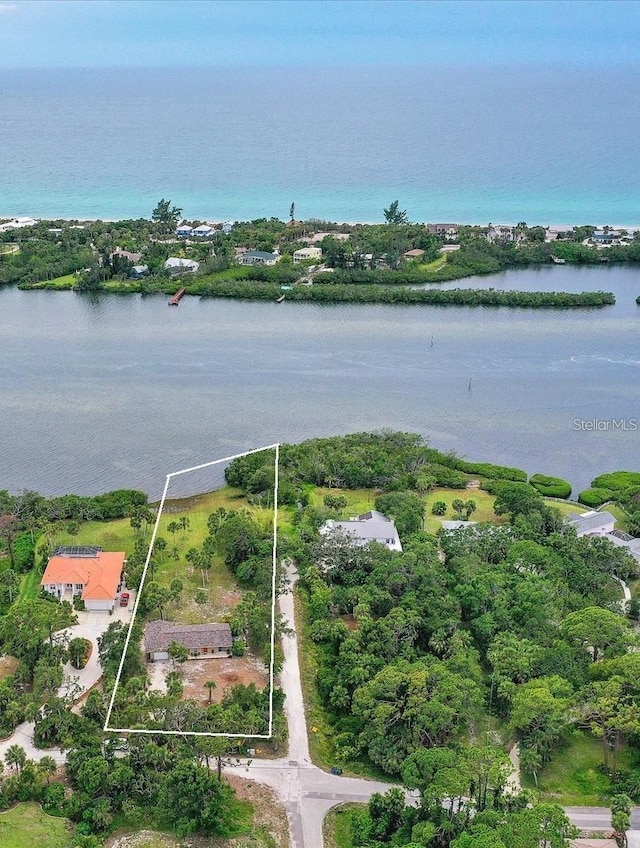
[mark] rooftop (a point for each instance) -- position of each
(585, 521)
(99, 573)
(371, 526)
(159, 634)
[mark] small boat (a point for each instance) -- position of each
(175, 300)
(280, 299)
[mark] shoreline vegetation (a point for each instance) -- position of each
(302, 261)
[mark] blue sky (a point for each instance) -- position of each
(175, 33)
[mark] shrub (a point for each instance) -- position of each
(617, 481)
(447, 477)
(495, 472)
(439, 508)
(53, 798)
(24, 553)
(239, 647)
(595, 497)
(551, 487)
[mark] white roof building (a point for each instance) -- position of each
(592, 523)
(177, 265)
(18, 224)
(372, 526)
(203, 231)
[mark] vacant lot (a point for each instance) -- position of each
(26, 826)
(225, 673)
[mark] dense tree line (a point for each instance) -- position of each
(520, 621)
(382, 460)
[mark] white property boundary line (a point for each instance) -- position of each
(144, 731)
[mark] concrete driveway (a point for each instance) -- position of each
(76, 682)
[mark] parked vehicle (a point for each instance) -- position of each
(124, 599)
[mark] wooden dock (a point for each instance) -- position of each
(175, 300)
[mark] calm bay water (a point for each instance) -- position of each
(473, 144)
(101, 391)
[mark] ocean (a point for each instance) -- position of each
(472, 144)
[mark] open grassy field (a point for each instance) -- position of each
(362, 500)
(26, 826)
(65, 282)
(435, 264)
(573, 776)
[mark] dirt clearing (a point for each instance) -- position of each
(225, 673)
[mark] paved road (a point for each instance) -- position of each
(307, 792)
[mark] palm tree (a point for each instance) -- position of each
(160, 546)
(210, 685)
(16, 757)
(48, 767)
(531, 762)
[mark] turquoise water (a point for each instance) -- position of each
(104, 391)
(500, 144)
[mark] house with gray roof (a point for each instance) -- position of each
(259, 257)
(201, 640)
(592, 523)
(624, 540)
(371, 526)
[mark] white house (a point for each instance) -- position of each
(184, 231)
(176, 265)
(305, 253)
(18, 224)
(371, 526)
(93, 574)
(592, 523)
(203, 231)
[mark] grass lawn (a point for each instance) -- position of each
(30, 584)
(358, 500)
(573, 778)
(336, 828)
(435, 265)
(68, 281)
(26, 826)
(320, 733)
(566, 508)
(483, 500)
(362, 500)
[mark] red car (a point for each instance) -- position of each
(124, 599)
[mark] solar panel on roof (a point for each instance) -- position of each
(77, 551)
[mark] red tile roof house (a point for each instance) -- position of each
(201, 640)
(93, 574)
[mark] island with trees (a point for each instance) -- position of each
(312, 260)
